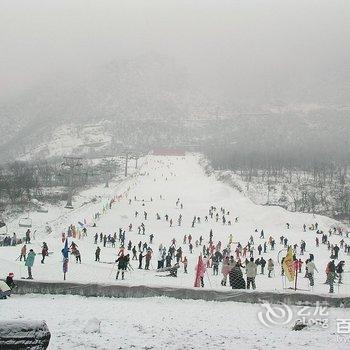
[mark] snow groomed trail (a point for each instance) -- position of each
(160, 182)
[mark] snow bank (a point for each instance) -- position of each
(33, 335)
(125, 291)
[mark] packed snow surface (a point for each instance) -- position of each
(166, 323)
(157, 185)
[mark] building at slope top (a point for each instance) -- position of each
(168, 152)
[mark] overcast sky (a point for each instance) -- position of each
(266, 43)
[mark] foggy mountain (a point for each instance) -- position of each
(144, 88)
(151, 101)
(178, 73)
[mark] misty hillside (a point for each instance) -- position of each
(139, 89)
(151, 101)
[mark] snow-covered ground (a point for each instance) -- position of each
(294, 189)
(71, 139)
(165, 323)
(171, 178)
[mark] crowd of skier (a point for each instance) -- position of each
(238, 263)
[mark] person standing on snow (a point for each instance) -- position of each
(123, 262)
(340, 271)
(185, 262)
(203, 270)
(140, 260)
(160, 259)
(200, 240)
(30, 262)
(262, 264)
(236, 277)
(336, 252)
(77, 256)
(44, 252)
(259, 249)
(97, 254)
(27, 237)
(168, 260)
(311, 268)
(251, 270)
(178, 254)
(134, 252)
(262, 234)
(215, 265)
(331, 275)
(148, 259)
(225, 270)
(144, 247)
(300, 264)
(270, 267)
(23, 253)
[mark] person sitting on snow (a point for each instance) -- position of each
(9, 280)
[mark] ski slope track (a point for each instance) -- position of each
(157, 185)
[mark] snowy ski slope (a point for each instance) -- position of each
(171, 178)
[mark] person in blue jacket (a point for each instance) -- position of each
(29, 263)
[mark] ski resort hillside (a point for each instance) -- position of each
(171, 203)
(175, 175)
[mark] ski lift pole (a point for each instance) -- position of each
(126, 164)
(296, 279)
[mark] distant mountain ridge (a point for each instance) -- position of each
(152, 101)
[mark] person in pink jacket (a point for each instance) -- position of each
(225, 270)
